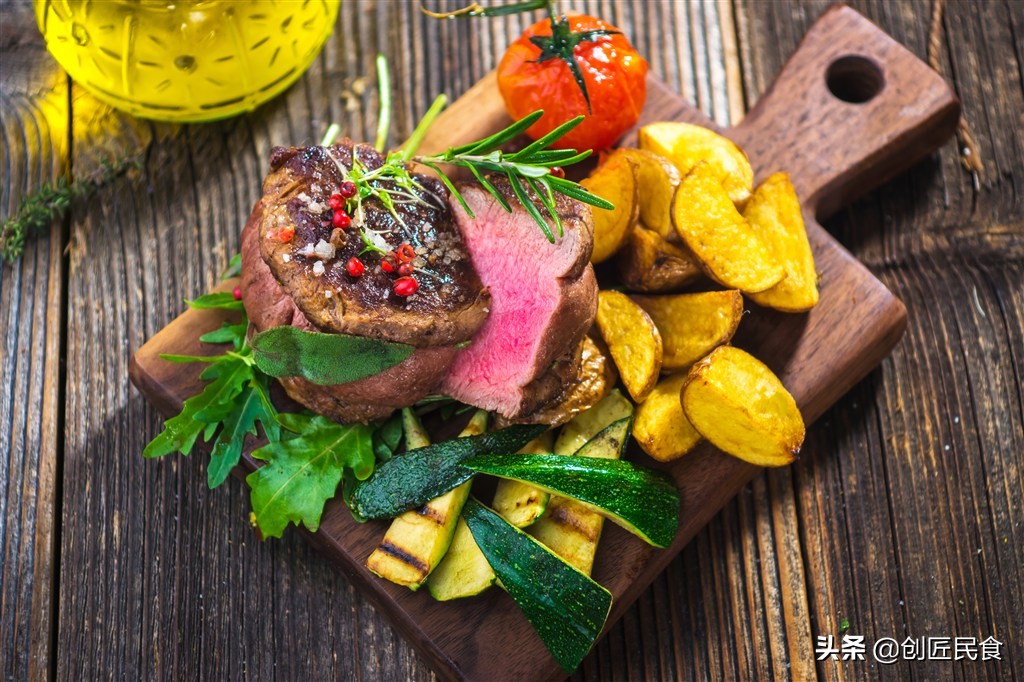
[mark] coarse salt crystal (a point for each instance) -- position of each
(328, 293)
(286, 257)
(306, 250)
(324, 250)
(318, 268)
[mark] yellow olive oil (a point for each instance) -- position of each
(189, 60)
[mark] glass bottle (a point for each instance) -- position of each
(185, 60)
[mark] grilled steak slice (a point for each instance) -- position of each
(268, 305)
(543, 302)
(450, 304)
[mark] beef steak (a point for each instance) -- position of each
(543, 302)
(450, 304)
(268, 305)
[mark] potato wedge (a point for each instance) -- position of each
(660, 425)
(657, 179)
(736, 402)
(686, 145)
(633, 341)
(774, 214)
(693, 325)
(718, 236)
(650, 264)
(614, 180)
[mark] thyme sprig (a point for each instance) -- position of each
(50, 202)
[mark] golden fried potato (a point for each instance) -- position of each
(660, 425)
(657, 179)
(692, 325)
(686, 145)
(774, 214)
(736, 402)
(615, 181)
(650, 264)
(633, 341)
(722, 241)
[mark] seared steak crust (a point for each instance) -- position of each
(451, 303)
(268, 305)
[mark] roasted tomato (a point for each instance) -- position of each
(539, 71)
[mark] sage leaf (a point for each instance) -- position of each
(324, 359)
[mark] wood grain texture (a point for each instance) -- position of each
(888, 522)
(831, 148)
(33, 150)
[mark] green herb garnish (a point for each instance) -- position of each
(324, 359)
(301, 474)
(51, 201)
(528, 171)
(304, 463)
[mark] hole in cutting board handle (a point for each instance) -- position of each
(854, 79)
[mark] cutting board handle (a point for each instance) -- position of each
(851, 109)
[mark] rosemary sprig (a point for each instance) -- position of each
(530, 170)
(51, 202)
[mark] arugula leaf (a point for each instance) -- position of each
(324, 359)
(253, 406)
(387, 437)
(424, 473)
(234, 268)
(224, 300)
(199, 412)
(228, 333)
(302, 474)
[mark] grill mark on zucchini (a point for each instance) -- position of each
(410, 560)
(570, 521)
(428, 511)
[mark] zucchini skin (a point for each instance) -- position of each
(568, 527)
(417, 540)
(521, 503)
(564, 605)
(409, 481)
(642, 501)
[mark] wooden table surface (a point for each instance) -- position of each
(903, 517)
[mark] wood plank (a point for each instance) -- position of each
(33, 150)
(817, 355)
(892, 522)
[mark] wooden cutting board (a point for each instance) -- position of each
(851, 109)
